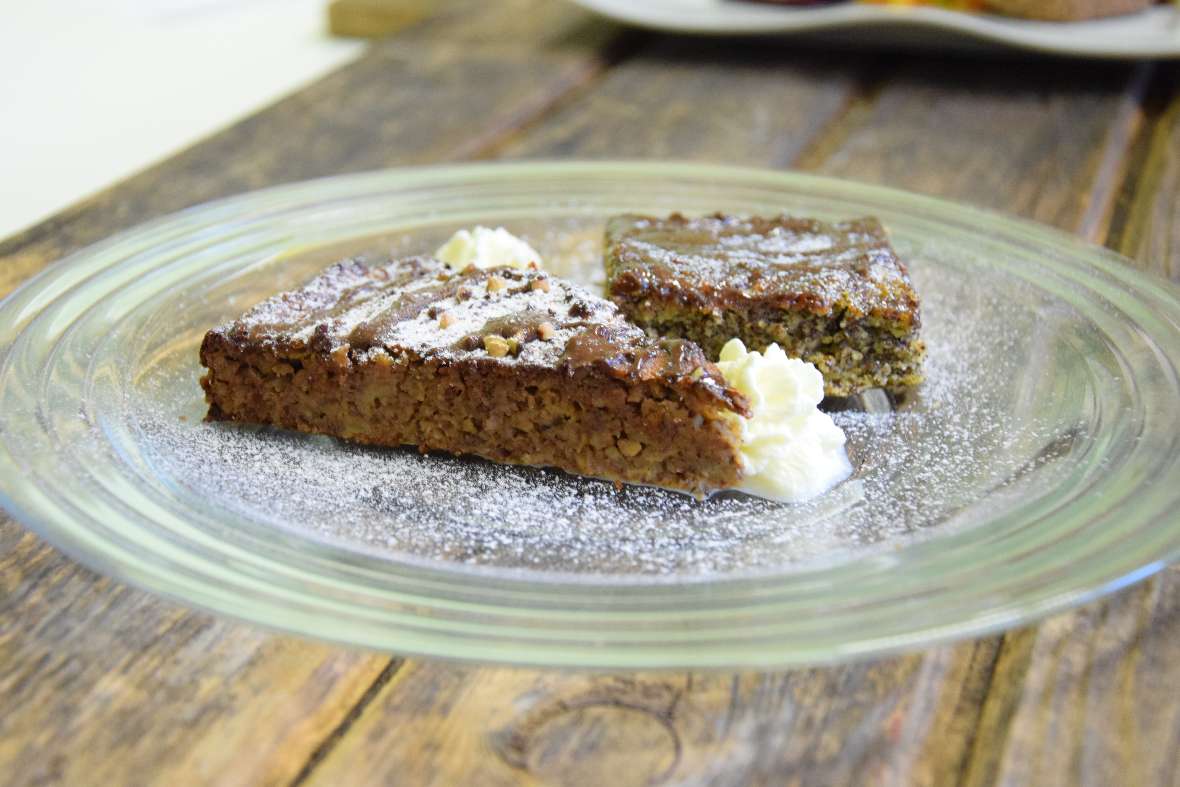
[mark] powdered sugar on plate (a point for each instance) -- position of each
(918, 470)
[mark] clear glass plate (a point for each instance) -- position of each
(1037, 468)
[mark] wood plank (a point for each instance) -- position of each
(766, 103)
(1147, 221)
(1028, 140)
(441, 724)
(103, 684)
(1090, 697)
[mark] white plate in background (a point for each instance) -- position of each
(1152, 33)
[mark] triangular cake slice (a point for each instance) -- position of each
(508, 364)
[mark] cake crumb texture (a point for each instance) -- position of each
(834, 294)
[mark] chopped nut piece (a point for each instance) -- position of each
(495, 284)
(513, 345)
(546, 330)
(497, 346)
(629, 448)
(541, 284)
(446, 320)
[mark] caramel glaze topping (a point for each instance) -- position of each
(723, 261)
(418, 308)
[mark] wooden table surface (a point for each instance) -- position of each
(101, 684)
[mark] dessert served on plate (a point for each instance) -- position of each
(835, 295)
(1066, 10)
(1047, 10)
(477, 350)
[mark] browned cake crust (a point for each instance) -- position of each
(1067, 10)
(514, 366)
(835, 295)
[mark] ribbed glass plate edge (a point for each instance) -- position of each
(558, 623)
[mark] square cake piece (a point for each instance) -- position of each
(508, 364)
(833, 294)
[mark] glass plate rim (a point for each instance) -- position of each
(1103, 258)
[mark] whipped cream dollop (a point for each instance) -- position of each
(486, 248)
(792, 451)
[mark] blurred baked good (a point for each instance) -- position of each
(1066, 10)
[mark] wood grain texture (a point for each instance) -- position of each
(852, 725)
(755, 103)
(1023, 140)
(1146, 226)
(102, 684)
(1089, 697)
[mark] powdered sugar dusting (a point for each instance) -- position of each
(918, 470)
(423, 306)
(845, 264)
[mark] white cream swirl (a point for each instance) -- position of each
(486, 248)
(791, 450)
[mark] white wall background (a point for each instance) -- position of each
(93, 90)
